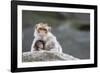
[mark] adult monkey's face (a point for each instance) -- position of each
(42, 29)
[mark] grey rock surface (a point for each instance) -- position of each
(45, 56)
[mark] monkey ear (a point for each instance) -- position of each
(36, 26)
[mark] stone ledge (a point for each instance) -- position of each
(45, 56)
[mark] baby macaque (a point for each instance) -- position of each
(43, 32)
(39, 45)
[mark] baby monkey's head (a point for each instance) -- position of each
(39, 45)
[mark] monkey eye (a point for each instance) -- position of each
(42, 29)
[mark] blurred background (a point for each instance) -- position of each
(71, 29)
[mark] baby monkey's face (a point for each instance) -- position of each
(40, 45)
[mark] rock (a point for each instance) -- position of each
(45, 56)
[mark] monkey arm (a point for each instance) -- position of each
(53, 45)
(33, 43)
(57, 47)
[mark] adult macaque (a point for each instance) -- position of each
(43, 32)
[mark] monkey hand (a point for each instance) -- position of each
(49, 45)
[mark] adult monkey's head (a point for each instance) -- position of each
(42, 29)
